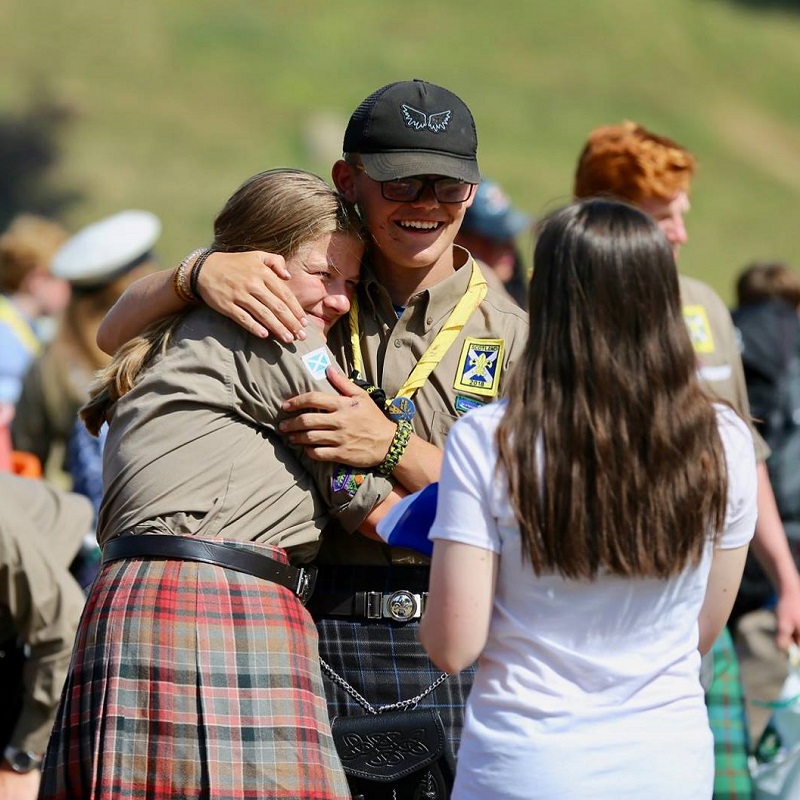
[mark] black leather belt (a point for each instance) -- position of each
(396, 592)
(300, 580)
(400, 605)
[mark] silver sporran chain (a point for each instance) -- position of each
(402, 705)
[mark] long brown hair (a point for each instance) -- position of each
(278, 211)
(633, 475)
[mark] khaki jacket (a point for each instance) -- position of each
(193, 448)
(41, 530)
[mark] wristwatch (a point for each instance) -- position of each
(22, 760)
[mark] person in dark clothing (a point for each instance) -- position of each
(768, 326)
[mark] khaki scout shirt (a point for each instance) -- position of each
(41, 530)
(714, 340)
(193, 448)
(493, 338)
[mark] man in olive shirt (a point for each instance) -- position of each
(41, 530)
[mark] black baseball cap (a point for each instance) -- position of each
(414, 128)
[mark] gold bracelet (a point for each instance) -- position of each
(179, 282)
(176, 285)
(396, 449)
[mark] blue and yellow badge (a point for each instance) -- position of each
(479, 367)
(699, 329)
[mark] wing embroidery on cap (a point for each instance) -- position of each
(439, 122)
(419, 120)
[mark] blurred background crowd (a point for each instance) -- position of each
(141, 117)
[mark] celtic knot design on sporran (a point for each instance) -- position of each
(382, 749)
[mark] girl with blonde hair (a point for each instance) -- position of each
(195, 670)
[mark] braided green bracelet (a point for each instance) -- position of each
(396, 448)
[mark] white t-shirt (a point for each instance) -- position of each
(584, 689)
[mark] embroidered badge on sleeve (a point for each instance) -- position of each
(346, 480)
(479, 367)
(317, 361)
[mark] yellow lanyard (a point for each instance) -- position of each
(476, 291)
(12, 317)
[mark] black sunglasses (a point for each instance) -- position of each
(409, 190)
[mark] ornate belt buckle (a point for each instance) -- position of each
(401, 606)
(306, 581)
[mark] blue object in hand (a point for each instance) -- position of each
(412, 528)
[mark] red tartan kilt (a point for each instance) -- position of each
(190, 680)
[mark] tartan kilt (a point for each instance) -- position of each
(189, 680)
(726, 715)
(384, 661)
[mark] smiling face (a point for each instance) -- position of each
(414, 236)
(669, 216)
(324, 276)
(411, 235)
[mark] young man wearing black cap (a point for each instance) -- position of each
(424, 329)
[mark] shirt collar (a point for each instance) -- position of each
(436, 301)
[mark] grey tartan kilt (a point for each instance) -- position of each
(385, 663)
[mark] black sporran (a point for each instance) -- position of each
(395, 755)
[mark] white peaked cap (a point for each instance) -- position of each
(105, 250)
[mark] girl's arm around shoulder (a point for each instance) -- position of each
(248, 287)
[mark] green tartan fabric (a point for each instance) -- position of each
(726, 715)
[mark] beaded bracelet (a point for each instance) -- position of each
(396, 449)
(195, 273)
(179, 282)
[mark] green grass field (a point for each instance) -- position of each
(178, 101)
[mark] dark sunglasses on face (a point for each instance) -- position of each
(409, 190)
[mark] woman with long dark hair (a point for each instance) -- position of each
(590, 534)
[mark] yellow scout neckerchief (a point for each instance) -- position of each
(19, 325)
(402, 407)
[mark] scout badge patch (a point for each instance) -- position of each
(479, 367)
(699, 329)
(316, 362)
(346, 479)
